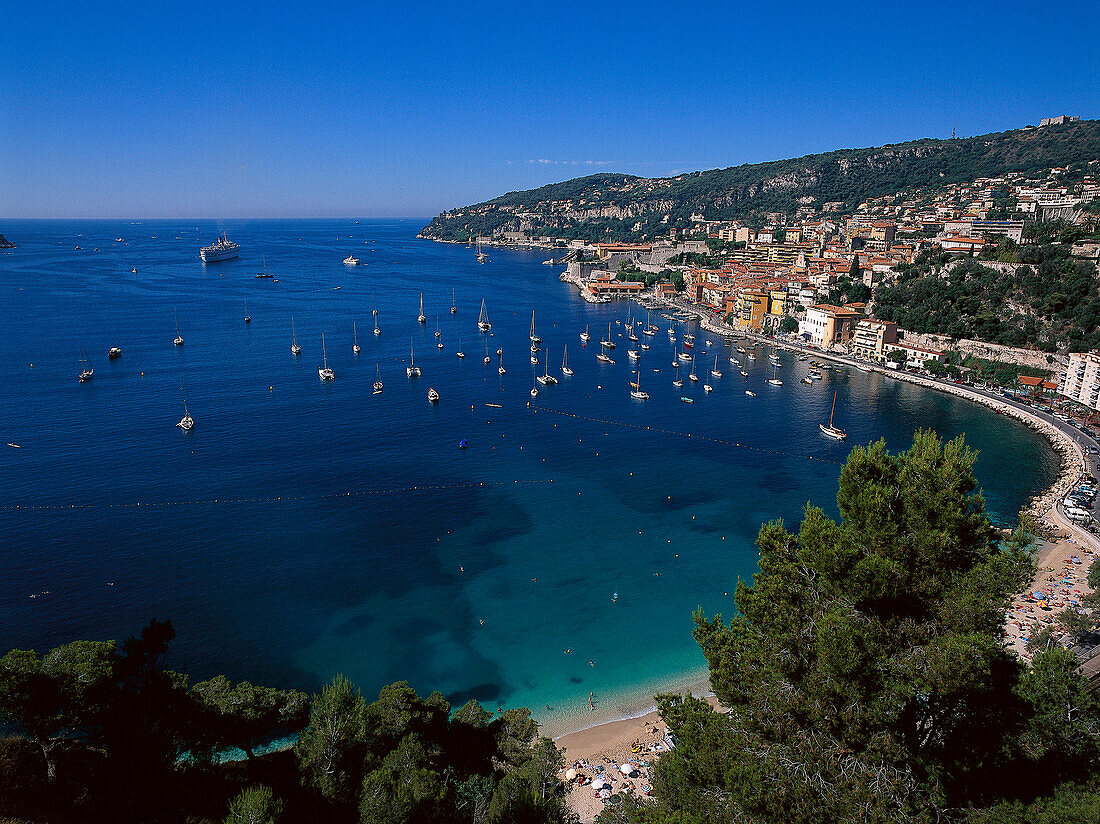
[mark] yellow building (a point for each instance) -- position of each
(752, 306)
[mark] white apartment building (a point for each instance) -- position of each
(1082, 382)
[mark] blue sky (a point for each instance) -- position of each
(404, 109)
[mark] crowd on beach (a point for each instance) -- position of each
(624, 766)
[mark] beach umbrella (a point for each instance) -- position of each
(570, 774)
(597, 784)
(627, 769)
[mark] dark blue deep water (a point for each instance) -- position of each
(303, 529)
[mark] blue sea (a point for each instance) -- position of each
(306, 528)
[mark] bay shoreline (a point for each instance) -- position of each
(1043, 507)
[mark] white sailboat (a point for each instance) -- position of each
(692, 377)
(679, 382)
(584, 335)
(487, 359)
(566, 369)
(481, 256)
(715, 371)
(179, 338)
(636, 388)
(355, 338)
(295, 349)
(323, 371)
(608, 342)
(86, 370)
(422, 318)
(412, 370)
(483, 319)
(546, 379)
(438, 331)
(500, 369)
(377, 389)
(831, 431)
(458, 352)
(377, 331)
(534, 335)
(247, 317)
(454, 307)
(773, 380)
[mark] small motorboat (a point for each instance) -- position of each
(750, 393)
(114, 352)
(433, 396)
(686, 399)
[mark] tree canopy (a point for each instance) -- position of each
(864, 675)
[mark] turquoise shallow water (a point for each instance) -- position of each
(350, 534)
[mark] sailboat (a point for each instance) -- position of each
(374, 311)
(86, 370)
(566, 369)
(295, 349)
(547, 379)
(715, 371)
(481, 256)
(458, 352)
(422, 318)
(454, 308)
(186, 423)
(438, 331)
(247, 317)
(377, 331)
(483, 319)
(412, 370)
(636, 388)
(534, 335)
(584, 335)
(830, 430)
(608, 343)
(487, 360)
(773, 380)
(438, 336)
(355, 338)
(679, 382)
(179, 338)
(500, 369)
(323, 371)
(692, 377)
(377, 380)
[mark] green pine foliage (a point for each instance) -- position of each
(864, 676)
(1052, 302)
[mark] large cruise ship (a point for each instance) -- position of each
(224, 249)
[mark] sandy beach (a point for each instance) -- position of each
(602, 750)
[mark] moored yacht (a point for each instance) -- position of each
(412, 370)
(323, 371)
(483, 319)
(831, 431)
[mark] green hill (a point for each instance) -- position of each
(625, 207)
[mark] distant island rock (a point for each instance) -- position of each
(5, 243)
